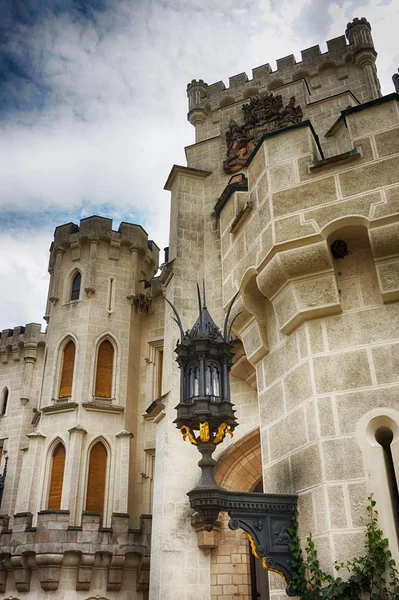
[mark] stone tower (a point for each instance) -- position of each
(290, 200)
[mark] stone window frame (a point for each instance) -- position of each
(116, 368)
(374, 466)
(49, 464)
(59, 364)
(68, 281)
(44, 483)
(155, 349)
(109, 476)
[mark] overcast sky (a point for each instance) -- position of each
(93, 106)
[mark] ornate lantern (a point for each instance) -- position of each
(205, 415)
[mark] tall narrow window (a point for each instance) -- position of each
(384, 437)
(75, 289)
(105, 368)
(96, 479)
(4, 401)
(68, 363)
(56, 478)
(159, 367)
(111, 294)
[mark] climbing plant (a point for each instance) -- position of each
(373, 575)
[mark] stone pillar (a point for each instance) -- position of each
(122, 471)
(30, 359)
(54, 297)
(70, 488)
(28, 482)
(46, 317)
(133, 273)
(90, 287)
(370, 75)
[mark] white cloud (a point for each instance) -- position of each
(104, 110)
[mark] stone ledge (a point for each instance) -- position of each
(344, 156)
(103, 407)
(60, 407)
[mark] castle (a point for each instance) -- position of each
(290, 197)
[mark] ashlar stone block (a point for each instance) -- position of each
(341, 371)
(342, 459)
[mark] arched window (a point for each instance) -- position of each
(75, 288)
(105, 369)
(56, 478)
(4, 401)
(96, 479)
(68, 363)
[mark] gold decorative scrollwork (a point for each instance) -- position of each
(187, 433)
(221, 433)
(204, 432)
(252, 544)
(264, 558)
(264, 565)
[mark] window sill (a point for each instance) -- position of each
(60, 407)
(103, 406)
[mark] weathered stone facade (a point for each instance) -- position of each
(307, 231)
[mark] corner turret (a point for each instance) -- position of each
(196, 92)
(358, 33)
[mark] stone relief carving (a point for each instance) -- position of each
(262, 114)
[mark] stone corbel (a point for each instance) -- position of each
(5, 565)
(3, 356)
(143, 574)
(384, 242)
(54, 296)
(207, 540)
(90, 287)
(22, 572)
(15, 352)
(134, 252)
(75, 250)
(49, 566)
(301, 285)
(85, 571)
(115, 573)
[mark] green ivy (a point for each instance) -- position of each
(374, 574)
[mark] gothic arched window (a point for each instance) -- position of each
(96, 479)
(56, 478)
(75, 287)
(68, 363)
(105, 369)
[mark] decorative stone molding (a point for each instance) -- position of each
(54, 544)
(106, 406)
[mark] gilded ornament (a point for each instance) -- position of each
(186, 433)
(204, 432)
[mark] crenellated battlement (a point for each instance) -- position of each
(53, 544)
(100, 228)
(22, 341)
(341, 52)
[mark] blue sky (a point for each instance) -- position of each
(93, 106)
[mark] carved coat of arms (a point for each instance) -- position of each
(262, 114)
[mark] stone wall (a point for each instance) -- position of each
(320, 329)
(55, 559)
